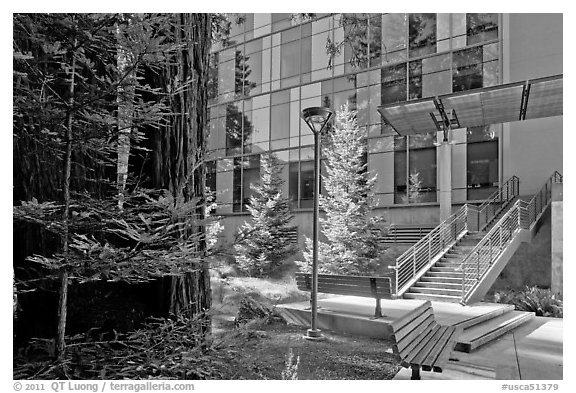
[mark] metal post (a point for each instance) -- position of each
(313, 331)
(315, 116)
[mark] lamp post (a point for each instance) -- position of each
(316, 118)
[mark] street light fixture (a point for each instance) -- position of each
(316, 118)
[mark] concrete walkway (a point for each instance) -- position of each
(533, 351)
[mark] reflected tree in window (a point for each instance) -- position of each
(481, 28)
(242, 71)
(237, 125)
(467, 69)
(422, 34)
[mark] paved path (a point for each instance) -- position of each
(531, 352)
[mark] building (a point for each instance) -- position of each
(274, 66)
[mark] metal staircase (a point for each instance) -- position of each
(459, 260)
(478, 251)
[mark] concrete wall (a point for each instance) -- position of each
(557, 238)
(531, 48)
(531, 264)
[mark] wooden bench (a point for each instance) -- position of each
(365, 286)
(420, 342)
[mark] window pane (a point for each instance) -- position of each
(394, 84)
(233, 129)
(415, 81)
(253, 74)
(213, 77)
(394, 37)
(306, 44)
(280, 124)
(290, 59)
(250, 176)
(422, 176)
(422, 34)
(482, 169)
(400, 177)
(237, 186)
(293, 184)
(375, 40)
(306, 184)
(467, 71)
(211, 175)
(481, 27)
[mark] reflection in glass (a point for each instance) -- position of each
(234, 120)
(422, 34)
(293, 171)
(394, 84)
(306, 184)
(394, 37)
(290, 59)
(467, 69)
(415, 81)
(481, 28)
(250, 176)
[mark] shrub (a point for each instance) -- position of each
(262, 245)
(350, 229)
(542, 302)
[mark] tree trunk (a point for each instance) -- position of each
(179, 158)
(63, 295)
(125, 114)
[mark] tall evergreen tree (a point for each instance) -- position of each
(352, 246)
(262, 244)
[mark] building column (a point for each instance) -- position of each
(557, 267)
(445, 179)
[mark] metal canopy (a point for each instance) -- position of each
(532, 99)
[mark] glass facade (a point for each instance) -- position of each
(274, 65)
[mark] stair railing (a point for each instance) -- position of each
(520, 216)
(531, 210)
(481, 216)
(414, 261)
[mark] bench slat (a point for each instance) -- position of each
(397, 325)
(353, 280)
(410, 341)
(413, 348)
(408, 331)
(429, 346)
(344, 290)
(365, 286)
(443, 358)
(420, 342)
(440, 346)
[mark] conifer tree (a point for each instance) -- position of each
(262, 244)
(352, 246)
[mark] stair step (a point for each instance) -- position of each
(437, 291)
(437, 268)
(439, 298)
(491, 329)
(447, 280)
(452, 274)
(453, 265)
(504, 308)
(440, 285)
(451, 255)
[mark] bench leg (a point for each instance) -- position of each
(415, 372)
(378, 312)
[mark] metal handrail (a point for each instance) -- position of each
(521, 216)
(538, 203)
(486, 212)
(414, 262)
